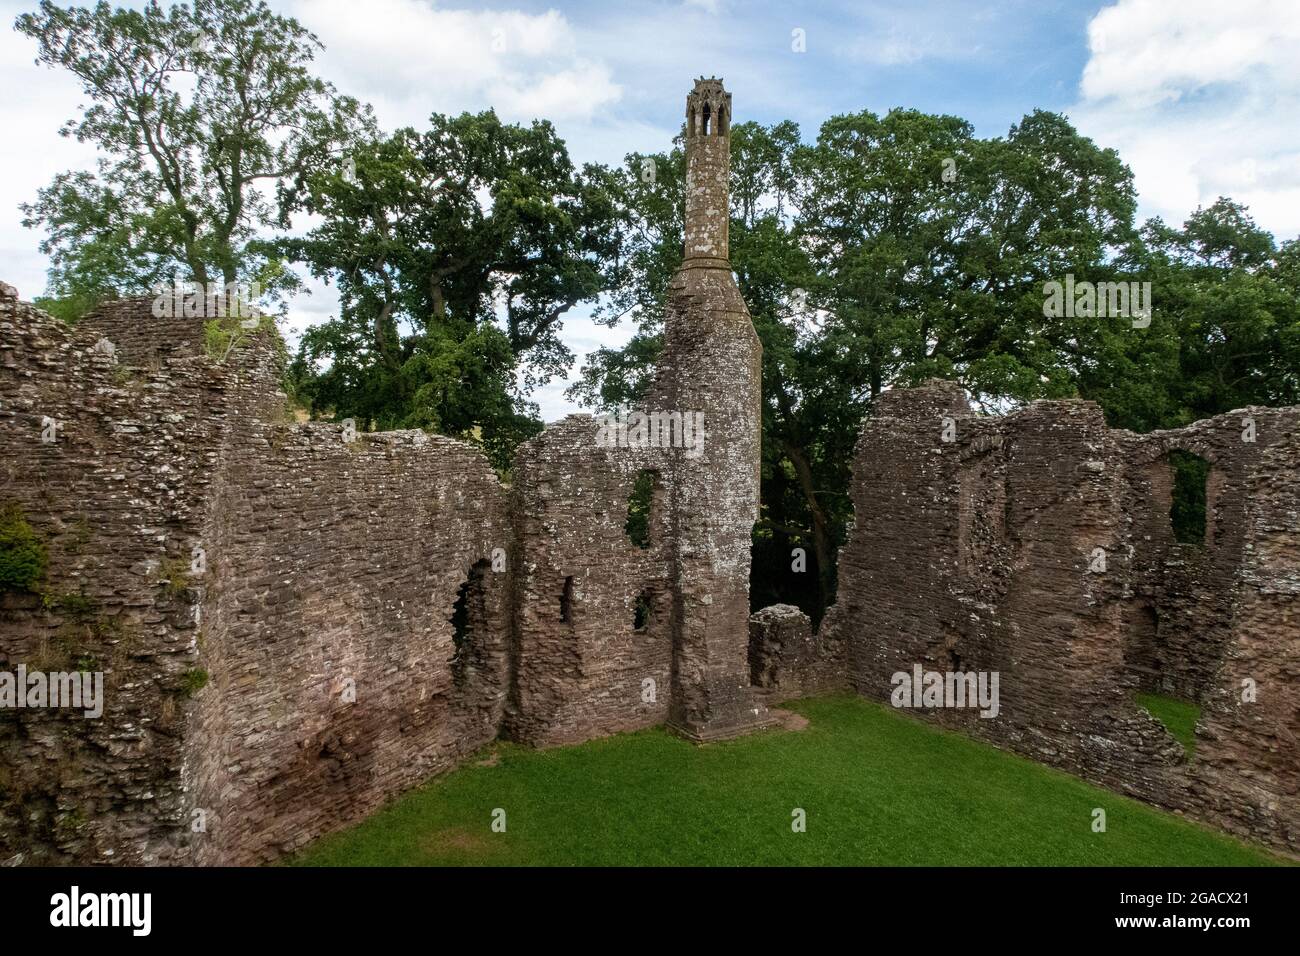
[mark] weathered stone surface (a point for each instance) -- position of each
(582, 664)
(786, 659)
(295, 626)
(120, 499)
(367, 612)
(980, 554)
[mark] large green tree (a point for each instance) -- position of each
(891, 249)
(1227, 317)
(198, 113)
(456, 252)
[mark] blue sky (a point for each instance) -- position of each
(1200, 97)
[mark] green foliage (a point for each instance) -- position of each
(639, 504)
(219, 338)
(223, 335)
(76, 607)
(72, 305)
(1178, 716)
(1227, 323)
(423, 262)
(197, 111)
(864, 269)
(175, 574)
(193, 681)
(1188, 511)
(880, 789)
(23, 556)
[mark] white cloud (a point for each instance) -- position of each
(410, 58)
(1147, 51)
(1199, 97)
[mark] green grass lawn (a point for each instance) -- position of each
(879, 788)
(1178, 716)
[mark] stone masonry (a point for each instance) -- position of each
(1039, 545)
(296, 622)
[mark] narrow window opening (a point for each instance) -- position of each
(708, 115)
(722, 121)
(469, 622)
(641, 611)
(642, 507)
(1142, 652)
(1188, 512)
(566, 601)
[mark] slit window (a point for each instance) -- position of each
(641, 507)
(641, 611)
(469, 620)
(1187, 514)
(566, 601)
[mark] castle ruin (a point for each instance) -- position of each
(297, 622)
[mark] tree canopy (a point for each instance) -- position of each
(886, 250)
(198, 112)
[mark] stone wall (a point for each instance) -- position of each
(272, 607)
(118, 497)
(334, 570)
(139, 338)
(583, 664)
(1039, 546)
(787, 660)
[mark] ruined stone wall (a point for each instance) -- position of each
(582, 663)
(118, 499)
(1247, 765)
(787, 660)
(1182, 594)
(271, 606)
(334, 569)
(1030, 545)
(139, 338)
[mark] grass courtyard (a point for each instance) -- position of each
(877, 787)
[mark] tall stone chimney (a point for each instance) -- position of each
(711, 363)
(708, 164)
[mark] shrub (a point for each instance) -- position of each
(194, 680)
(23, 557)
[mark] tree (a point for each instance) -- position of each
(864, 268)
(198, 114)
(1227, 303)
(457, 252)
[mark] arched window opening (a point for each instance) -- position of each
(708, 115)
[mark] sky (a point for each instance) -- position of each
(1200, 97)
